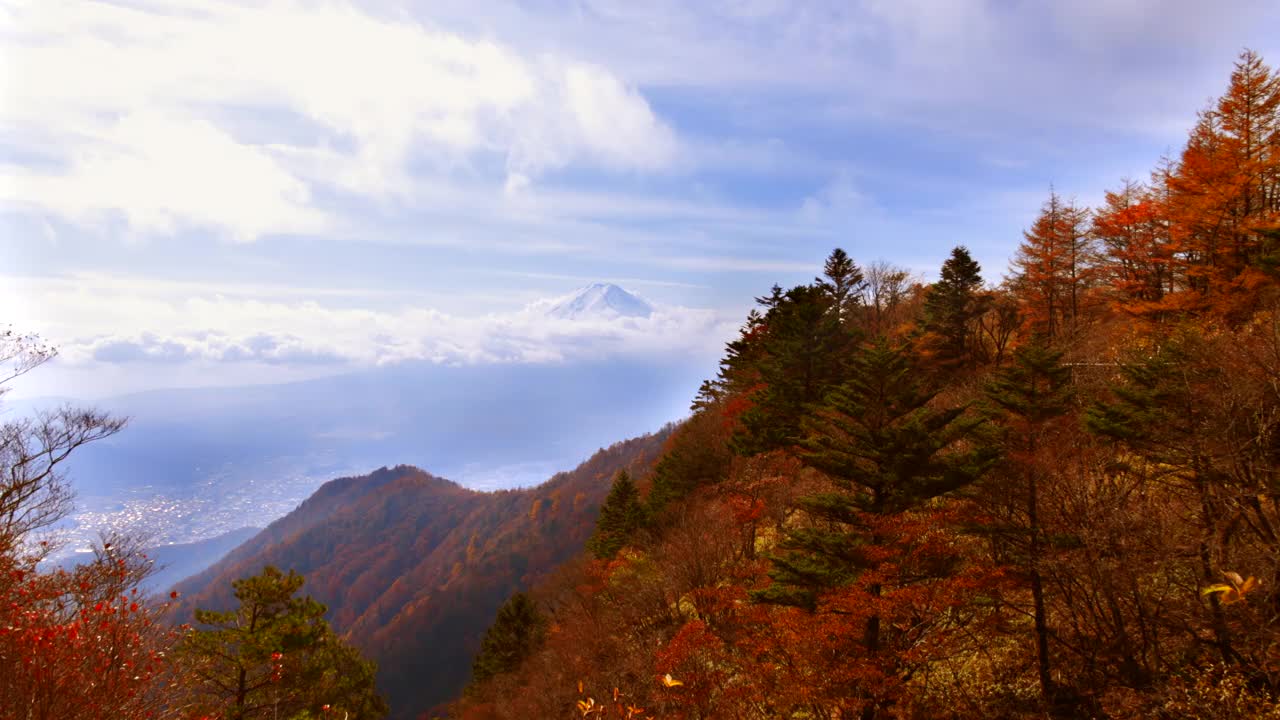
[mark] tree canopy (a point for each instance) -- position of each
(276, 656)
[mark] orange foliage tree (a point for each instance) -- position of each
(1055, 268)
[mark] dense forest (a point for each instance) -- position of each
(1052, 497)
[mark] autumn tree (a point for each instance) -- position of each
(34, 492)
(84, 643)
(886, 297)
(621, 515)
(79, 643)
(1055, 268)
(1158, 409)
(1223, 191)
(276, 656)
(998, 324)
(1137, 259)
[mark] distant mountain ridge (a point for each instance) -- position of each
(413, 567)
(600, 300)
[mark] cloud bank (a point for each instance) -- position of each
(174, 323)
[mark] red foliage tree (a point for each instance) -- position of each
(84, 643)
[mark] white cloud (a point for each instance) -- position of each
(615, 122)
(319, 335)
(157, 112)
(113, 321)
(836, 201)
(163, 173)
(960, 67)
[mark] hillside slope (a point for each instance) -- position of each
(413, 567)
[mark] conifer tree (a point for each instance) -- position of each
(952, 307)
(889, 454)
(773, 299)
(739, 371)
(276, 656)
(1027, 397)
(1138, 258)
(1225, 188)
(1056, 267)
(621, 515)
(844, 283)
(517, 631)
(801, 352)
(695, 456)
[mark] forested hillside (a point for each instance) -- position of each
(412, 567)
(1052, 496)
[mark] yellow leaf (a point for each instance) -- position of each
(670, 681)
(1234, 592)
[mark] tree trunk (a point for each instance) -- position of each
(1037, 588)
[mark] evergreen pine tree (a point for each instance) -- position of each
(864, 551)
(799, 353)
(620, 517)
(276, 656)
(844, 283)
(1026, 397)
(887, 452)
(1033, 389)
(773, 299)
(517, 631)
(695, 456)
(951, 307)
(738, 371)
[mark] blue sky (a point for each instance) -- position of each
(202, 192)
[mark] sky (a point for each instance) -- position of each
(203, 193)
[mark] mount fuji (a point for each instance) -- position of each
(600, 301)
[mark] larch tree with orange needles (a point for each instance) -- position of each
(1055, 268)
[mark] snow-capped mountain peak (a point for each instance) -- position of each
(600, 300)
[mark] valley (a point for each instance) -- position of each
(196, 463)
(222, 501)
